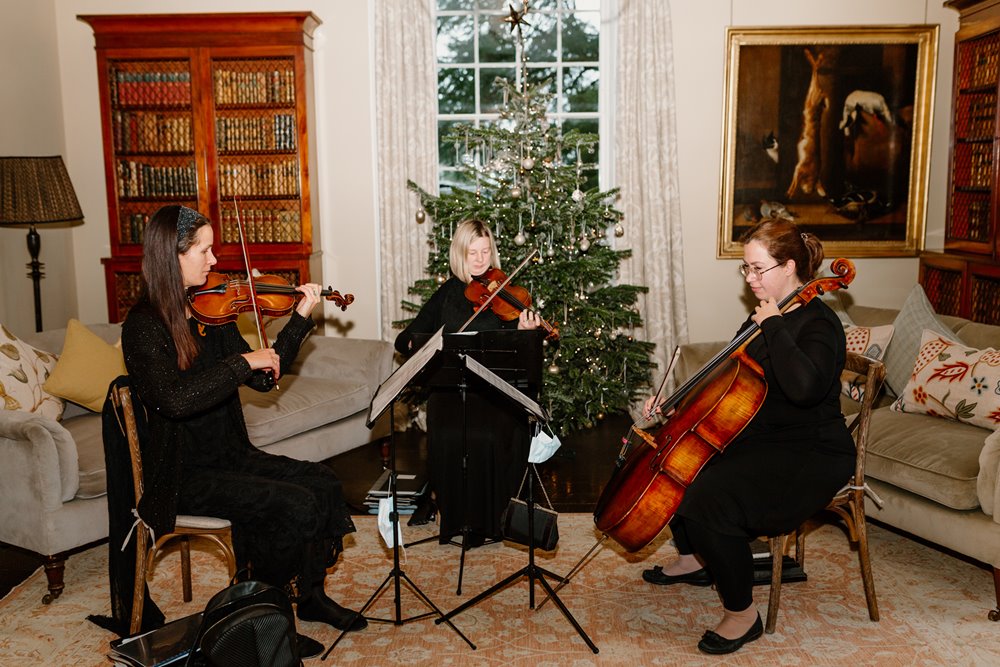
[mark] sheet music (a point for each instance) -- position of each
(400, 378)
(505, 387)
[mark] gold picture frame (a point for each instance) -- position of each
(830, 127)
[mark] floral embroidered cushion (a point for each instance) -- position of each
(953, 381)
(870, 342)
(23, 370)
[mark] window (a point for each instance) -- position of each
(475, 46)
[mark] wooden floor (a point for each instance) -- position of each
(573, 478)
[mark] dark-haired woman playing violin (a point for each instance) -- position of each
(792, 457)
(497, 432)
(288, 516)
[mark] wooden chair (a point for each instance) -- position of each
(849, 503)
(218, 531)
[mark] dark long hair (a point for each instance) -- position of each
(170, 233)
(783, 241)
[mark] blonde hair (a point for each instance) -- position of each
(465, 234)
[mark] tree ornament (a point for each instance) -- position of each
(515, 192)
(553, 368)
(528, 163)
(577, 195)
(520, 239)
(440, 280)
(619, 230)
(600, 416)
(584, 245)
(421, 216)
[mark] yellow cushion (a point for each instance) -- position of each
(85, 368)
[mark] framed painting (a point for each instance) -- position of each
(829, 127)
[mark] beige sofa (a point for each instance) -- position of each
(926, 470)
(53, 472)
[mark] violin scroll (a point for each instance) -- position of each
(341, 301)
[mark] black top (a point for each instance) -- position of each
(449, 308)
(190, 408)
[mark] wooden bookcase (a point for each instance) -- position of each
(213, 111)
(964, 280)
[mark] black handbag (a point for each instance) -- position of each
(514, 520)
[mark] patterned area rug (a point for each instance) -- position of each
(933, 607)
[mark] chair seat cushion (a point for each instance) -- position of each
(931, 457)
(301, 404)
(201, 522)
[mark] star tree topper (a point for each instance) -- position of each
(516, 18)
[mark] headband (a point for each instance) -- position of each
(186, 220)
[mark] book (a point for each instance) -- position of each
(408, 485)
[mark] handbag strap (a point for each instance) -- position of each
(540, 485)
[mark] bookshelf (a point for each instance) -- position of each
(212, 111)
(964, 280)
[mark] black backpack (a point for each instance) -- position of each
(249, 624)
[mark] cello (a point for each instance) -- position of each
(710, 409)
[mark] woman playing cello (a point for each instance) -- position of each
(791, 458)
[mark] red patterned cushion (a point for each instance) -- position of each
(952, 381)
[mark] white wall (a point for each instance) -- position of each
(344, 110)
(31, 114)
(713, 287)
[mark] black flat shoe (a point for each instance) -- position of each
(325, 610)
(715, 644)
(697, 578)
(308, 647)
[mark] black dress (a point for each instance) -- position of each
(288, 516)
(497, 430)
(796, 452)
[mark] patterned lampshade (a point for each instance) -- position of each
(35, 191)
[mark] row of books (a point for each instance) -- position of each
(138, 179)
(262, 225)
(150, 87)
(151, 132)
(409, 490)
(276, 179)
(260, 133)
(276, 86)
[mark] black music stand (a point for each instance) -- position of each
(384, 399)
(511, 355)
(531, 570)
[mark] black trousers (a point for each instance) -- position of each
(727, 557)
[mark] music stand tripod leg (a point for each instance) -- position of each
(396, 575)
(533, 572)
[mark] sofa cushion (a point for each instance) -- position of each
(931, 457)
(23, 370)
(85, 368)
(86, 432)
(302, 403)
(916, 315)
(953, 381)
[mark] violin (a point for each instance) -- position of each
(221, 299)
(506, 301)
(710, 409)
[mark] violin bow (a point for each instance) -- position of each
(497, 291)
(261, 334)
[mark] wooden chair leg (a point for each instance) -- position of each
(777, 557)
(866, 566)
(186, 567)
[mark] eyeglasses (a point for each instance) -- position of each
(752, 271)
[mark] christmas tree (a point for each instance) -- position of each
(529, 181)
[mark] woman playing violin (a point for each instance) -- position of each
(792, 457)
(497, 433)
(288, 516)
